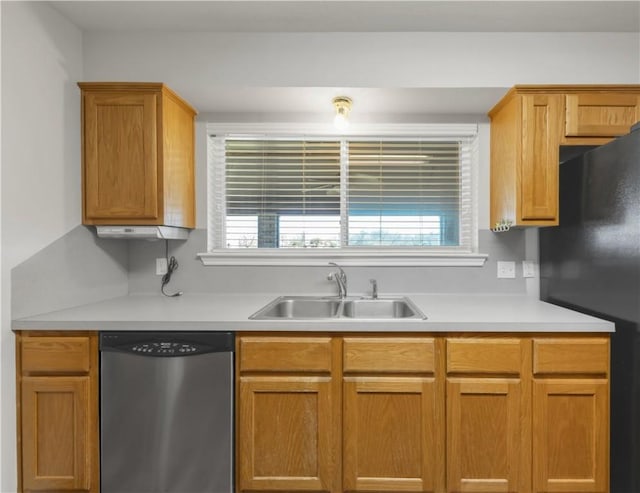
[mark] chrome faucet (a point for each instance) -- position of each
(340, 278)
(374, 289)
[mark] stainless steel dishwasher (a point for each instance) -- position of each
(166, 412)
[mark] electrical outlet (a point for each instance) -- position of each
(161, 266)
(529, 268)
(506, 270)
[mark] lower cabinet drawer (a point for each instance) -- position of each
(483, 355)
(379, 354)
(55, 354)
(586, 356)
(285, 354)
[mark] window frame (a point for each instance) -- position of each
(466, 255)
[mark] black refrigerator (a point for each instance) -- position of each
(591, 263)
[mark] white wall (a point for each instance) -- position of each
(41, 63)
(194, 64)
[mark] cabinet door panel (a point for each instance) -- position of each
(484, 419)
(120, 161)
(541, 122)
(286, 436)
(570, 436)
(56, 445)
(600, 115)
(391, 435)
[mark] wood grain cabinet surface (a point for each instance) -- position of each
(571, 415)
(488, 401)
(418, 413)
(393, 396)
(58, 429)
(138, 155)
(529, 125)
(287, 413)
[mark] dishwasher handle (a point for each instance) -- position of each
(167, 344)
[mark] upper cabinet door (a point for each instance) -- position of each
(600, 115)
(541, 123)
(121, 156)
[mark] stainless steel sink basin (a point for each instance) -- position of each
(381, 308)
(310, 307)
(299, 307)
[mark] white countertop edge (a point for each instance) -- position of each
(303, 326)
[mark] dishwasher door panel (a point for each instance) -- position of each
(166, 423)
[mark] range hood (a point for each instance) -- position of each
(143, 232)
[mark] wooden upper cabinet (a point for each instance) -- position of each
(600, 115)
(529, 125)
(58, 430)
(138, 155)
(525, 137)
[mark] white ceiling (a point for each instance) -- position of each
(351, 16)
(356, 15)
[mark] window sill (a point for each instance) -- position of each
(352, 258)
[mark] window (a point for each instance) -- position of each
(316, 196)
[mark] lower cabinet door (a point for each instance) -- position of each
(56, 445)
(286, 434)
(570, 436)
(485, 442)
(392, 434)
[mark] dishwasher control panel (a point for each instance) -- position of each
(161, 344)
(164, 348)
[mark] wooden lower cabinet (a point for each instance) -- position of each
(571, 415)
(392, 406)
(391, 435)
(287, 411)
(570, 436)
(479, 413)
(342, 413)
(58, 426)
(487, 414)
(286, 434)
(484, 442)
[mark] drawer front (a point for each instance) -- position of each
(55, 354)
(487, 356)
(284, 354)
(571, 356)
(600, 115)
(392, 355)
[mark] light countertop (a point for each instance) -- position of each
(209, 311)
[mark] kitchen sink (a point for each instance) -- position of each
(381, 308)
(299, 307)
(313, 308)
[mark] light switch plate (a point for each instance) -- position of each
(506, 270)
(529, 268)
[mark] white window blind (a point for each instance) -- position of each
(341, 194)
(405, 193)
(282, 193)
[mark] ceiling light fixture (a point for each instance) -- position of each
(342, 105)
